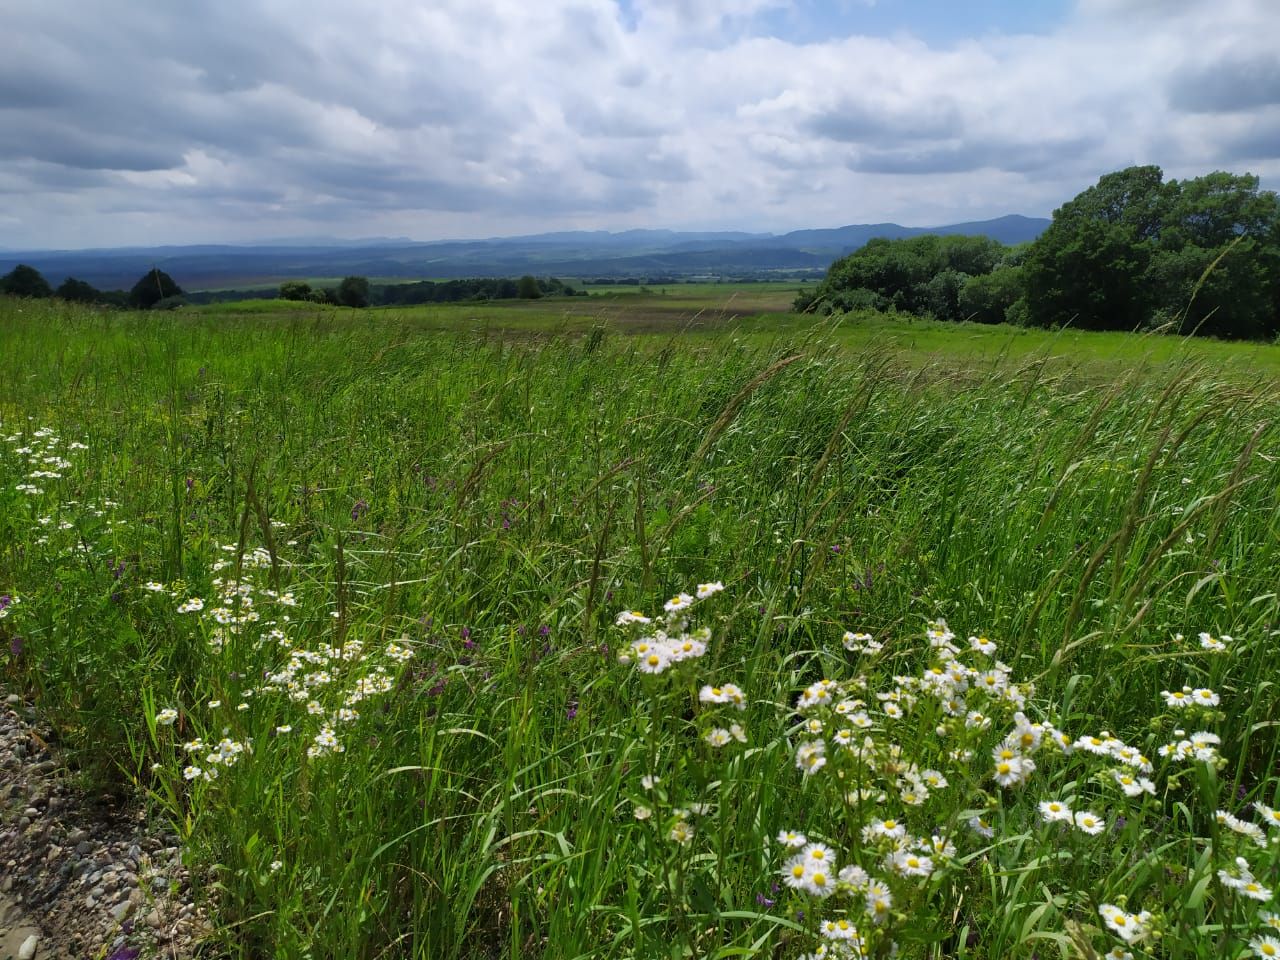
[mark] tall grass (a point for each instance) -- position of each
(489, 505)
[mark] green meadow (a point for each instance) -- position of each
(659, 625)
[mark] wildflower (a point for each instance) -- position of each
(284, 728)
(1089, 823)
(854, 876)
(737, 732)
(878, 901)
(1131, 785)
(1055, 811)
(153, 586)
(709, 589)
(810, 757)
(840, 929)
(1127, 926)
(1204, 697)
(627, 617)
(191, 772)
(1242, 827)
(654, 662)
(1212, 644)
(1117, 953)
(981, 827)
(909, 864)
(642, 812)
(1013, 772)
(167, 716)
(794, 871)
(819, 882)
(860, 642)
(717, 736)
(1270, 815)
(194, 605)
(982, 645)
(886, 829)
(649, 782)
(214, 704)
(792, 839)
(1271, 920)
(1265, 947)
(681, 601)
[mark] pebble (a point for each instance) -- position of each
(69, 868)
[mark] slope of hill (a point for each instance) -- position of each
(632, 253)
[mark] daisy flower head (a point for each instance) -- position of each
(1265, 947)
(1270, 816)
(1055, 811)
(1268, 919)
(811, 756)
(709, 589)
(1205, 697)
(839, 929)
(717, 736)
(1131, 785)
(878, 900)
(167, 716)
(820, 880)
(1117, 953)
(907, 863)
(681, 832)
(1213, 644)
(854, 876)
(1089, 822)
(792, 839)
(982, 827)
(856, 642)
(795, 871)
(678, 603)
(1127, 926)
(628, 617)
(654, 661)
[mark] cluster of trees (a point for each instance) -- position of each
(1131, 252)
(155, 290)
(356, 291)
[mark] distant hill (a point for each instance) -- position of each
(632, 254)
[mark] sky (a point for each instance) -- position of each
(153, 122)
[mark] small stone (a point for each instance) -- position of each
(31, 812)
(12, 699)
(28, 949)
(120, 911)
(154, 919)
(78, 834)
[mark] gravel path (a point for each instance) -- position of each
(79, 880)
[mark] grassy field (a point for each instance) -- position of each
(354, 600)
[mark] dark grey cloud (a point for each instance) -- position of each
(1232, 83)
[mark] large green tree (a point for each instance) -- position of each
(1196, 256)
(152, 287)
(353, 292)
(25, 281)
(77, 291)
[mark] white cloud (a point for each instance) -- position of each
(149, 121)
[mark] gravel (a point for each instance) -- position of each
(78, 878)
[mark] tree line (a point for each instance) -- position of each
(157, 290)
(1132, 252)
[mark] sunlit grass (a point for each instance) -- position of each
(464, 509)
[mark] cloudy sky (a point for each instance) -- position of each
(151, 121)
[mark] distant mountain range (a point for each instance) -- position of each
(642, 254)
